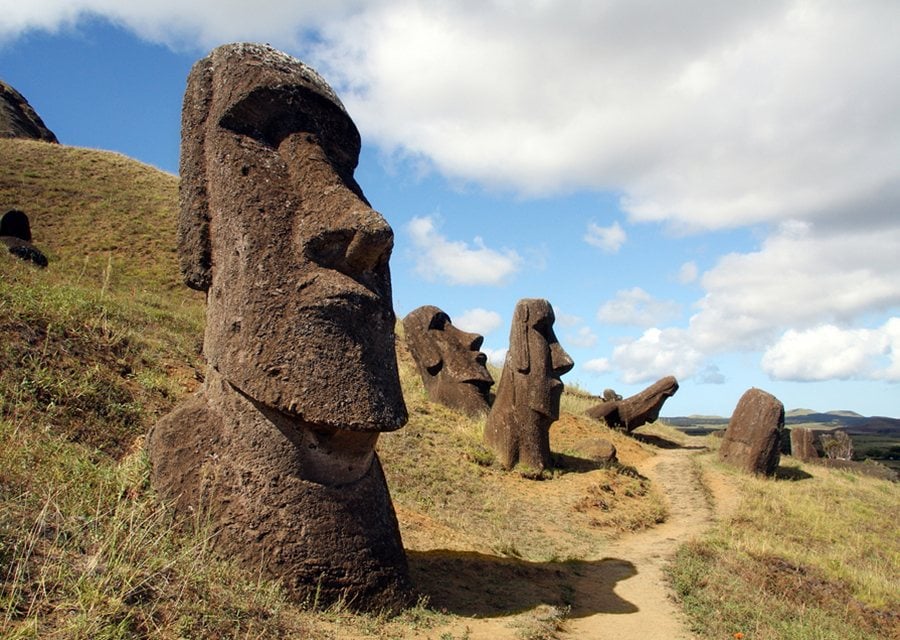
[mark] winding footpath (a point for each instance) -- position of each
(636, 562)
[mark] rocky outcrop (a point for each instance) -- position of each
(637, 410)
(18, 119)
(278, 448)
(527, 402)
(752, 440)
(448, 360)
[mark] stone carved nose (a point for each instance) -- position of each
(372, 239)
(560, 362)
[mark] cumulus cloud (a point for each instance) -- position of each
(597, 366)
(800, 277)
(584, 338)
(457, 262)
(829, 352)
(747, 115)
(638, 308)
(688, 273)
(478, 321)
(495, 356)
(610, 239)
(711, 374)
(657, 353)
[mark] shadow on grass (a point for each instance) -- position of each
(473, 584)
(791, 473)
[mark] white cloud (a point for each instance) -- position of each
(799, 278)
(828, 352)
(610, 239)
(637, 307)
(597, 366)
(688, 273)
(495, 356)
(706, 114)
(656, 354)
(584, 338)
(566, 320)
(478, 320)
(457, 262)
(711, 374)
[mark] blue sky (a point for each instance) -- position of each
(702, 189)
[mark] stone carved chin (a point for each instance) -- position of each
(449, 361)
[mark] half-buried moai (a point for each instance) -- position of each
(637, 410)
(449, 361)
(527, 402)
(752, 440)
(803, 444)
(15, 235)
(278, 446)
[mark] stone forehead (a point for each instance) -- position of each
(275, 67)
(420, 319)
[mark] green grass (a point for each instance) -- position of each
(812, 558)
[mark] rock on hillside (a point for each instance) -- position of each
(18, 119)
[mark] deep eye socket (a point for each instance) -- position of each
(439, 321)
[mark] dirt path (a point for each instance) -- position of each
(635, 563)
(620, 594)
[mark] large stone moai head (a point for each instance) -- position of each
(302, 376)
(274, 227)
(449, 361)
(752, 440)
(528, 396)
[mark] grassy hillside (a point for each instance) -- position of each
(95, 348)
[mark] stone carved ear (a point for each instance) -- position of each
(194, 248)
(519, 346)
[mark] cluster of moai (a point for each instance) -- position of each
(276, 452)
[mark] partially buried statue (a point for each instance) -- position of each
(278, 446)
(15, 235)
(527, 403)
(449, 361)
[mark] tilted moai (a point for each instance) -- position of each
(449, 361)
(752, 440)
(277, 449)
(527, 402)
(637, 410)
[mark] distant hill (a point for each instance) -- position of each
(850, 421)
(18, 119)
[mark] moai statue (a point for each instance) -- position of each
(449, 361)
(15, 235)
(278, 446)
(752, 441)
(637, 410)
(527, 402)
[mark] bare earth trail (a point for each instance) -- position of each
(622, 593)
(636, 562)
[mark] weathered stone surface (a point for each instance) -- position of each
(803, 445)
(751, 441)
(449, 361)
(527, 402)
(18, 119)
(15, 235)
(278, 447)
(598, 450)
(637, 410)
